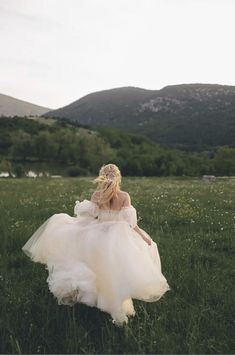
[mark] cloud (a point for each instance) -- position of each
(55, 51)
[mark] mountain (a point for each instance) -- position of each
(9, 106)
(114, 107)
(183, 116)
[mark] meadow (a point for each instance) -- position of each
(193, 223)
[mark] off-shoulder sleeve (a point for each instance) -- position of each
(86, 208)
(129, 215)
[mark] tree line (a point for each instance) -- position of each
(81, 151)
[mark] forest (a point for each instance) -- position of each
(80, 151)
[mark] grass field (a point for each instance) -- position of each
(193, 223)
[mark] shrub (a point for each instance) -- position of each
(74, 171)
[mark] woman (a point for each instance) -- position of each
(101, 257)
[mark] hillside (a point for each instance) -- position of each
(9, 106)
(184, 116)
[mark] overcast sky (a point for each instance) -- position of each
(53, 52)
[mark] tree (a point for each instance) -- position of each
(19, 170)
(22, 145)
(225, 161)
(6, 166)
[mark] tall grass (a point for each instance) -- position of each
(193, 224)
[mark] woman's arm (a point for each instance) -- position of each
(138, 230)
(127, 203)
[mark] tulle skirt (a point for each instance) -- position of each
(101, 264)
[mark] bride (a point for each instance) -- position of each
(101, 257)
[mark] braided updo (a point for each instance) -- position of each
(109, 180)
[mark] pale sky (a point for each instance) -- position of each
(52, 52)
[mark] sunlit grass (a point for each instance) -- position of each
(193, 223)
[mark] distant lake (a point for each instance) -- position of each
(35, 169)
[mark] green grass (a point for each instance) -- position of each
(193, 224)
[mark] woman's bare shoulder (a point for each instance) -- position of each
(124, 193)
(126, 199)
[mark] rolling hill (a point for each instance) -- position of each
(10, 106)
(184, 116)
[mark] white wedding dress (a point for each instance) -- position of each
(97, 258)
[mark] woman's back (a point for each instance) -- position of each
(120, 199)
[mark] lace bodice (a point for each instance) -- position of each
(88, 209)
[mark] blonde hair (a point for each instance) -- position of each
(109, 181)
